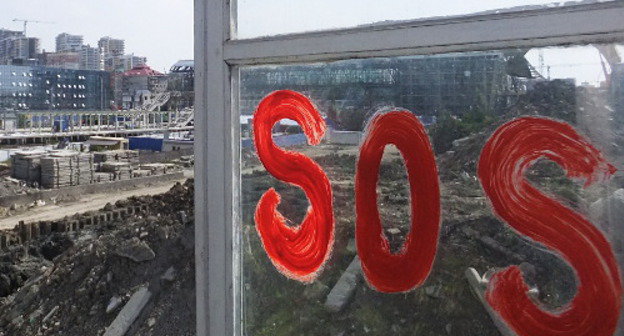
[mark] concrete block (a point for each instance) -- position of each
(479, 285)
(129, 313)
(61, 226)
(136, 250)
(344, 289)
(45, 227)
(24, 232)
(34, 230)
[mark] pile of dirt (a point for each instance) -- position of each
(77, 285)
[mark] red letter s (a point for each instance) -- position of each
(511, 150)
(297, 252)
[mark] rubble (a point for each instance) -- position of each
(72, 282)
(113, 304)
(136, 250)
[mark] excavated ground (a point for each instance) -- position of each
(63, 284)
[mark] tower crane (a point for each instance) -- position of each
(27, 21)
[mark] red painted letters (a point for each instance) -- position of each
(386, 272)
(300, 252)
(297, 252)
(512, 149)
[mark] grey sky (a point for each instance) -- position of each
(162, 30)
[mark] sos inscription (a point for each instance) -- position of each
(300, 252)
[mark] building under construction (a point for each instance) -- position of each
(425, 85)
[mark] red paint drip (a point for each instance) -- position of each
(297, 252)
(512, 149)
(387, 272)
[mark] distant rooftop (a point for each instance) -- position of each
(142, 70)
(183, 66)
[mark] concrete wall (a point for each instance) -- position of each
(344, 137)
(280, 140)
(22, 233)
(176, 145)
(77, 191)
(152, 157)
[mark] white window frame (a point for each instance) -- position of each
(217, 60)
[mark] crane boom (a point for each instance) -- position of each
(26, 21)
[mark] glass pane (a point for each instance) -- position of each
(265, 18)
(488, 115)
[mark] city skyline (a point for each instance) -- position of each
(146, 26)
(162, 30)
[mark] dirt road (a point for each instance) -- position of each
(88, 203)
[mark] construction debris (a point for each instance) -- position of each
(344, 289)
(136, 250)
(69, 277)
(129, 313)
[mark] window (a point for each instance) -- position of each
(457, 74)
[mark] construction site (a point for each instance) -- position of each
(97, 223)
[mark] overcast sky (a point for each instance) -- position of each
(162, 30)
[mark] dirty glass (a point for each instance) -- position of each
(461, 100)
(264, 18)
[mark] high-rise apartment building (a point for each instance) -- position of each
(16, 48)
(122, 63)
(111, 47)
(66, 42)
(90, 58)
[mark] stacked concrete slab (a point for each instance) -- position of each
(119, 170)
(64, 168)
(100, 177)
(130, 156)
(25, 165)
(159, 168)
